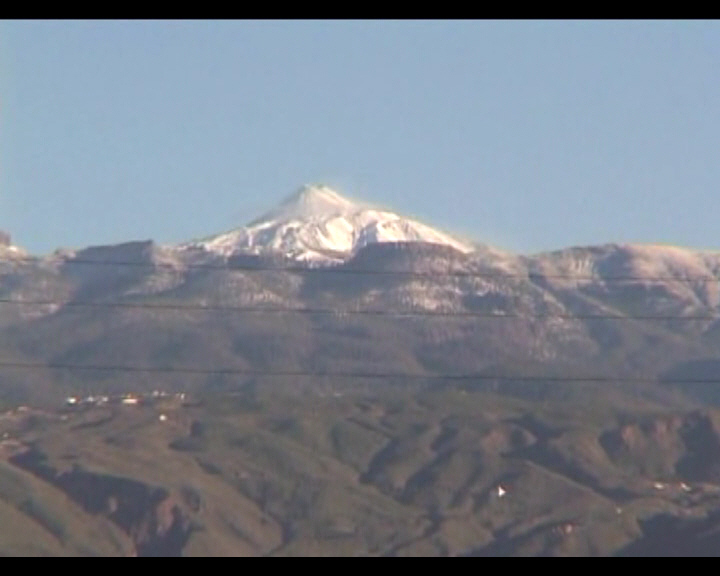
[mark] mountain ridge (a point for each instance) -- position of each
(318, 225)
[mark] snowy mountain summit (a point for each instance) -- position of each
(316, 224)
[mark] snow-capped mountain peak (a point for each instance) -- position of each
(311, 201)
(319, 224)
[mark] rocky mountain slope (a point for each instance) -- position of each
(325, 284)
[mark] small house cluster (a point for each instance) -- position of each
(122, 400)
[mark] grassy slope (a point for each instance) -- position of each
(39, 520)
(281, 470)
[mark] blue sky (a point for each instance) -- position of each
(526, 135)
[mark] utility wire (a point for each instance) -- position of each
(346, 270)
(341, 375)
(369, 312)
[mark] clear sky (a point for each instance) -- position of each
(526, 135)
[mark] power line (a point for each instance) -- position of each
(345, 270)
(369, 312)
(340, 375)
